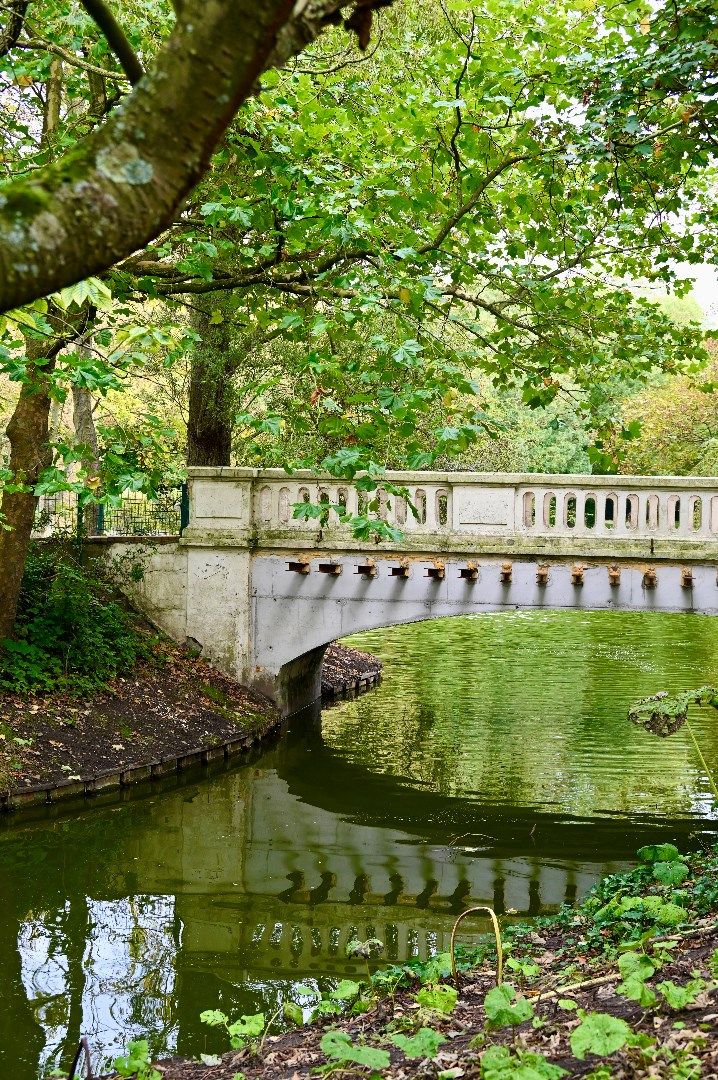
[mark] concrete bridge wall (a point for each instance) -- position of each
(263, 592)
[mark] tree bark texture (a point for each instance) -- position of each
(118, 188)
(211, 393)
(27, 433)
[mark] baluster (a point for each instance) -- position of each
(431, 518)
(580, 527)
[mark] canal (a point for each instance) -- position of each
(494, 764)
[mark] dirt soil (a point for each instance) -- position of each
(171, 705)
(344, 668)
(678, 1033)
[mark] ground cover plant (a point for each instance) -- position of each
(623, 985)
(72, 631)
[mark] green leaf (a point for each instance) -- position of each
(655, 853)
(499, 1063)
(441, 999)
(214, 1017)
(338, 1046)
(678, 997)
(346, 990)
(634, 987)
(670, 873)
(424, 1044)
(600, 1034)
(293, 1012)
(633, 963)
(503, 1006)
(247, 1027)
(671, 915)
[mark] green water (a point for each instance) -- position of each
(494, 764)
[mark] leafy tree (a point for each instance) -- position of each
(676, 424)
(407, 223)
(396, 235)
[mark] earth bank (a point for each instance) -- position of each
(170, 708)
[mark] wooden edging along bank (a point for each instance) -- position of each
(159, 769)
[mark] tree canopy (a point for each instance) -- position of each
(360, 261)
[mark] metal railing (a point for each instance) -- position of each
(67, 514)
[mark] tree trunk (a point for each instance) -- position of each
(29, 427)
(27, 434)
(211, 394)
(86, 434)
(84, 425)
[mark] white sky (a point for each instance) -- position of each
(705, 291)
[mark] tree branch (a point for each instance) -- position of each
(120, 187)
(470, 203)
(115, 36)
(70, 58)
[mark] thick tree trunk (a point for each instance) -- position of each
(211, 394)
(27, 434)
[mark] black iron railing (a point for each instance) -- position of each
(67, 514)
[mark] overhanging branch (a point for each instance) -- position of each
(100, 14)
(121, 186)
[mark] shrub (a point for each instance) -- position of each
(70, 632)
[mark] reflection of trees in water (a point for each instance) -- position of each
(531, 708)
(104, 968)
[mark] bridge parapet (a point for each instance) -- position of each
(666, 517)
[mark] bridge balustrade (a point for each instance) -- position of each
(496, 504)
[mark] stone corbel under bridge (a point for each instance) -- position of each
(263, 593)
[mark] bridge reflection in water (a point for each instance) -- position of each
(132, 919)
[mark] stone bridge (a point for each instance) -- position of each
(264, 592)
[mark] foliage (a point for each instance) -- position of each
(413, 257)
(636, 969)
(500, 1063)
(438, 998)
(676, 418)
(424, 1044)
(339, 1048)
(365, 949)
(637, 913)
(663, 715)
(503, 1006)
(346, 990)
(679, 997)
(71, 633)
(137, 1063)
(243, 1032)
(600, 1034)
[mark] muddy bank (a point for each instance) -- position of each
(171, 712)
(348, 671)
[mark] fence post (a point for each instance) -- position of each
(80, 514)
(100, 519)
(184, 507)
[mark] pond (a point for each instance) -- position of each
(494, 764)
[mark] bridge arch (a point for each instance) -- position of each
(301, 604)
